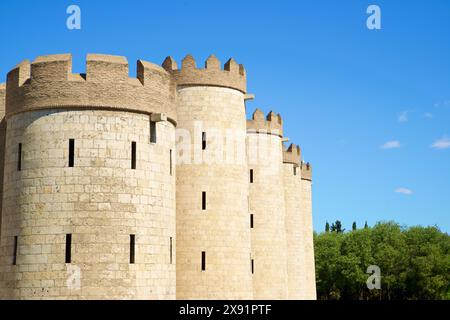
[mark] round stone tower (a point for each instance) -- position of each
(89, 195)
(299, 232)
(309, 289)
(267, 207)
(213, 227)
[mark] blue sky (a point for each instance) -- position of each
(343, 90)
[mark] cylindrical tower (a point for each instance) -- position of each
(300, 261)
(89, 195)
(213, 228)
(308, 266)
(267, 207)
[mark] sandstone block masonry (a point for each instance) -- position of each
(147, 187)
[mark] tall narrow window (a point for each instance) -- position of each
(68, 248)
(253, 266)
(170, 250)
(251, 220)
(152, 131)
(251, 175)
(71, 152)
(170, 162)
(295, 171)
(203, 200)
(133, 155)
(203, 260)
(19, 158)
(203, 140)
(15, 250)
(132, 247)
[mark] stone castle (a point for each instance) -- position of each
(148, 187)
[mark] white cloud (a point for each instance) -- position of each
(428, 115)
(404, 191)
(391, 145)
(443, 143)
(443, 104)
(403, 117)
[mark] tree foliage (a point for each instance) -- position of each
(414, 262)
(337, 227)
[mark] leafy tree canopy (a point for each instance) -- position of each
(414, 262)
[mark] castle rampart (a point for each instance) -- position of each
(48, 83)
(97, 201)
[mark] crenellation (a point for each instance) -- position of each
(106, 68)
(18, 76)
(306, 170)
(292, 154)
(56, 67)
(212, 63)
(271, 124)
(106, 85)
(169, 64)
(231, 76)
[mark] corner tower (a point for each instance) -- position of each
(299, 229)
(89, 199)
(267, 206)
(213, 229)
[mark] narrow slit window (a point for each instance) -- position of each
(15, 250)
(132, 247)
(71, 152)
(203, 140)
(133, 155)
(170, 249)
(203, 260)
(253, 266)
(203, 200)
(251, 175)
(19, 157)
(152, 131)
(68, 248)
(295, 171)
(251, 220)
(170, 162)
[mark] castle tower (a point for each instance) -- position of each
(89, 195)
(309, 289)
(147, 187)
(213, 228)
(267, 206)
(299, 233)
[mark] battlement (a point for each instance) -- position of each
(306, 170)
(271, 124)
(48, 82)
(231, 76)
(292, 154)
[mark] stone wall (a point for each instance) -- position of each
(101, 201)
(268, 209)
(294, 226)
(308, 287)
(222, 230)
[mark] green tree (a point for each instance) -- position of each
(414, 262)
(337, 227)
(354, 226)
(327, 227)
